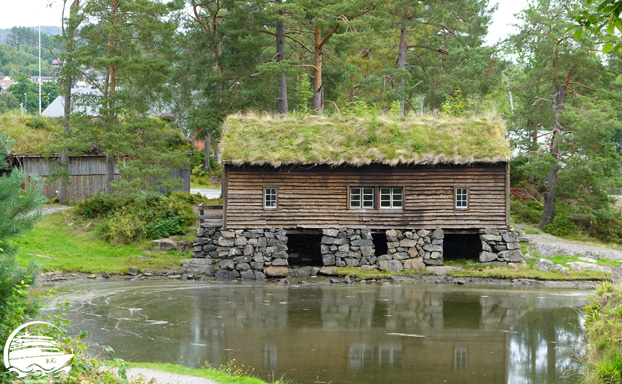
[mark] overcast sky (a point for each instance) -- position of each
(29, 13)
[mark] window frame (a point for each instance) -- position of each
(362, 199)
(391, 198)
(266, 193)
(466, 198)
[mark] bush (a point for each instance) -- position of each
(166, 227)
(528, 211)
(607, 226)
(561, 226)
(100, 205)
(36, 122)
(125, 227)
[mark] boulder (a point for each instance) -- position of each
(391, 265)
(416, 263)
(276, 271)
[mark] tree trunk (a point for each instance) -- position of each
(401, 57)
(317, 82)
(109, 174)
(206, 151)
(559, 101)
(69, 36)
(280, 50)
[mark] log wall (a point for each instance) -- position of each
(87, 175)
(317, 197)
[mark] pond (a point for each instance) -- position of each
(315, 333)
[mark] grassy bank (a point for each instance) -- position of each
(63, 244)
(225, 374)
(603, 323)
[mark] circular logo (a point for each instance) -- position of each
(28, 352)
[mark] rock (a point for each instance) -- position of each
(416, 263)
(328, 259)
(513, 256)
(249, 250)
(132, 271)
(367, 267)
(226, 264)
(279, 262)
(227, 274)
(362, 243)
(247, 275)
(544, 264)
(367, 251)
(433, 248)
(588, 260)
(91, 277)
(226, 242)
(243, 267)
(328, 271)
(423, 233)
(391, 265)
(408, 243)
(259, 276)
(391, 233)
(510, 237)
(438, 234)
(228, 234)
(174, 277)
(164, 244)
(583, 266)
(490, 237)
(433, 262)
(276, 271)
(332, 232)
(105, 275)
(486, 257)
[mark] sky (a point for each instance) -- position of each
(29, 13)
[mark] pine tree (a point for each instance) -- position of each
(18, 212)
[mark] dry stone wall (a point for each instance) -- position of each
(499, 246)
(257, 253)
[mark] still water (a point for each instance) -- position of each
(408, 333)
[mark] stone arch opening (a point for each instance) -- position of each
(462, 246)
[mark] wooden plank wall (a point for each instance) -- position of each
(87, 175)
(317, 197)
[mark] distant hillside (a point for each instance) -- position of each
(48, 30)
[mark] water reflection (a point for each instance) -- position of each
(342, 334)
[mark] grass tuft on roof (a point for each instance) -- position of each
(32, 134)
(349, 140)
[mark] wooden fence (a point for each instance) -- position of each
(87, 175)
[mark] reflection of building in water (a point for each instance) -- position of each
(384, 331)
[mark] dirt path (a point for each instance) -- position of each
(53, 208)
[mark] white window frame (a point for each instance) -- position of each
(461, 196)
(366, 197)
(393, 202)
(270, 196)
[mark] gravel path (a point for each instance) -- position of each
(49, 209)
(548, 245)
(161, 377)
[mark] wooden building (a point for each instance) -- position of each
(392, 193)
(403, 177)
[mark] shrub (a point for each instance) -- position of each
(36, 122)
(561, 226)
(165, 227)
(607, 226)
(529, 211)
(100, 205)
(126, 227)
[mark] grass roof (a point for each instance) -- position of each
(32, 134)
(350, 140)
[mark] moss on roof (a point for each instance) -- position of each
(32, 134)
(349, 140)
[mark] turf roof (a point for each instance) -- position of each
(348, 140)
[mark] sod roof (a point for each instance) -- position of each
(348, 140)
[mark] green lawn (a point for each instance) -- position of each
(72, 248)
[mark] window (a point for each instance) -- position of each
(269, 198)
(362, 197)
(462, 198)
(391, 197)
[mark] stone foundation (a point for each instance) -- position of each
(347, 247)
(499, 246)
(257, 253)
